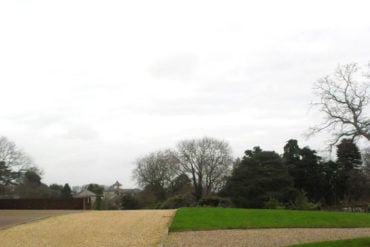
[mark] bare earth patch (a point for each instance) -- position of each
(262, 237)
(92, 228)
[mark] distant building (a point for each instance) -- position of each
(116, 191)
(88, 196)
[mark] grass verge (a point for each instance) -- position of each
(188, 219)
(358, 242)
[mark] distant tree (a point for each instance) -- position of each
(292, 152)
(331, 189)
(156, 171)
(13, 157)
(56, 187)
(32, 178)
(32, 187)
(96, 188)
(99, 204)
(345, 179)
(292, 160)
(352, 181)
(348, 155)
(207, 161)
(148, 198)
(312, 168)
(305, 168)
(7, 179)
(56, 190)
(130, 202)
(66, 191)
(181, 185)
(13, 163)
(344, 101)
(259, 177)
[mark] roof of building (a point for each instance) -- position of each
(84, 193)
(117, 184)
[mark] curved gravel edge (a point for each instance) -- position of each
(164, 237)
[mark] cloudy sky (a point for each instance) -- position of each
(87, 87)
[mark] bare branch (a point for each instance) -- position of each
(342, 99)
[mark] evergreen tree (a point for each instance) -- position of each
(292, 152)
(260, 176)
(305, 168)
(331, 190)
(32, 187)
(66, 191)
(56, 190)
(351, 181)
(348, 155)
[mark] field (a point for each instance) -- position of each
(188, 219)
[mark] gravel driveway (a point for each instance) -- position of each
(92, 228)
(15, 217)
(261, 237)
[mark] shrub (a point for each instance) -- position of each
(97, 203)
(130, 202)
(273, 203)
(178, 202)
(215, 201)
(110, 203)
(301, 202)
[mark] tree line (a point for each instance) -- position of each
(202, 172)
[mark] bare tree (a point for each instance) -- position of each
(157, 171)
(13, 157)
(13, 165)
(207, 161)
(343, 100)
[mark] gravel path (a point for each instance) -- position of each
(262, 237)
(10, 218)
(92, 228)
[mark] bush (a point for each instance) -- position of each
(177, 202)
(130, 202)
(110, 203)
(97, 203)
(301, 202)
(273, 203)
(215, 201)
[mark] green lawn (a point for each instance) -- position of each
(358, 242)
(232, 218)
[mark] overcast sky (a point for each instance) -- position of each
(87, 87)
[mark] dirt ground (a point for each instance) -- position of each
(92, 228)
(261, 237)
(14, 217)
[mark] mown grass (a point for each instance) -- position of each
(187, 219)
(357, 242)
